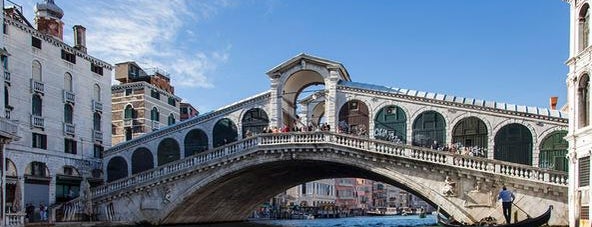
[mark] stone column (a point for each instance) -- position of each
(275, 107)
(331, 97)
(52, 190)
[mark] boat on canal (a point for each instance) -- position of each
(383, 211)
(528, 222)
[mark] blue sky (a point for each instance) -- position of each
(218, 51)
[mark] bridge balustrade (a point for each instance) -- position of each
(360, 143)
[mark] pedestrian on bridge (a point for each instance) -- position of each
(507, 198)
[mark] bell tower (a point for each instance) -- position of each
(580, 127)
(48, 18)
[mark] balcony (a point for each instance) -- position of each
(98, 136)
(37, 86)
(37, 121)
(69, 97)
(97, 106)
(128, 122)
(69, 129)
(155, 125)
(6, 76)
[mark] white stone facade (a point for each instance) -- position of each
(18, 39)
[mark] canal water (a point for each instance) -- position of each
(385, 221)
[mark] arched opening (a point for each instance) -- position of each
(154, 114)
(68, 82)
(390, 124)
(429, 130)
(12, 201)
(196, 141)
(97, 93)
(583, 101)
(171, 119)
(224, 132)
(116, 169)
(584, 27)
(317, 116)
(68, 113)
(36, 71)
(142, 160)
(471, 134)
(168, 151)
(513, 143)
(300, 86)
(129, 112)
(97, 121)
(67, 184)
(36, 105)
(353, 118)
(553, 150)
(254, 121)
(37, 181)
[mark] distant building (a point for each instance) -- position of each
(187, 111)
(59, 95)
(144, 102)
(316, 193)
(346, 193)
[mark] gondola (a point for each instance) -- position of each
(528, 222)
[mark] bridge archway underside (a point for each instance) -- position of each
(229, 182)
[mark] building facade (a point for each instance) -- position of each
(59, 96)
(187, 111)
(144, 102)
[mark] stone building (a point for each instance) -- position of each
(187, 111)
(144, 102)
(314, 194)
(59, 96)
(579, 135)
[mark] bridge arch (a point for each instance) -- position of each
(272, 175)
(514, 143)
(254, 121)
(429, 127)
(224, 132)
(354, 117)
(116, 169)
(317, 113)
(390, 123)
(195, 141)
(168, 151)
(142, 160)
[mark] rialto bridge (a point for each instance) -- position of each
(219, 166)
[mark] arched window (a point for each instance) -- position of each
(353, 118)
(254, 121)
(195, 141)
(224, 132)
(97, 93)
(390, 124)
(513, 143)
(171, 119)
(116, 169)
(97, 122)
(154, 114)
(583, 101)
(129, 112)
(584, 27)
(168, 151)
(6, 99)
(37, 105)
(142, 160)
(471, 132)
(429, 130)
(553, 150)
(68, 82)
(36, 71)
(68, 113)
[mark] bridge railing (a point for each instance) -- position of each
(361, 143)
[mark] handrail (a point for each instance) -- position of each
(361, 143)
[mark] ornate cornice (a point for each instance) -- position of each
(55, 42)
(142, 84)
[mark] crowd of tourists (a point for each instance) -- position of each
(459, 148)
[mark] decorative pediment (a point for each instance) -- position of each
(304, 61)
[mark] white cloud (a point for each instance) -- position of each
(147, 31)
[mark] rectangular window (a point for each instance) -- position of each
(128, 92)
(39, 141)
(155, 94)
(98, 151)
(184, 110)
(96, 69)
(585, 212)
(4, 28)
(172, 101)
(35, 42)
(584, 170)
(70, 146)
(69, 56)
(4, 62)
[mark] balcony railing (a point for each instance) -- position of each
(128, 122)
(155, 125)
(37, 86)
(97, 106)
(69, 129)
(37, 121)
(98, 136)
(69, 97)
(6, 76)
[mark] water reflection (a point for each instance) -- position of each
(387, 221)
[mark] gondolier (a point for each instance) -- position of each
(507, 198)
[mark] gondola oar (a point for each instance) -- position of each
(527, 215)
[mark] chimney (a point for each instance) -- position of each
(80, 38)
(553, 102)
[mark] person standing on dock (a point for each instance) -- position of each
(507, 198)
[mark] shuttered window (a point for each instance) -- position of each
(584, 171)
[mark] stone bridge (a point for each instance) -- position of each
(227, 183)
